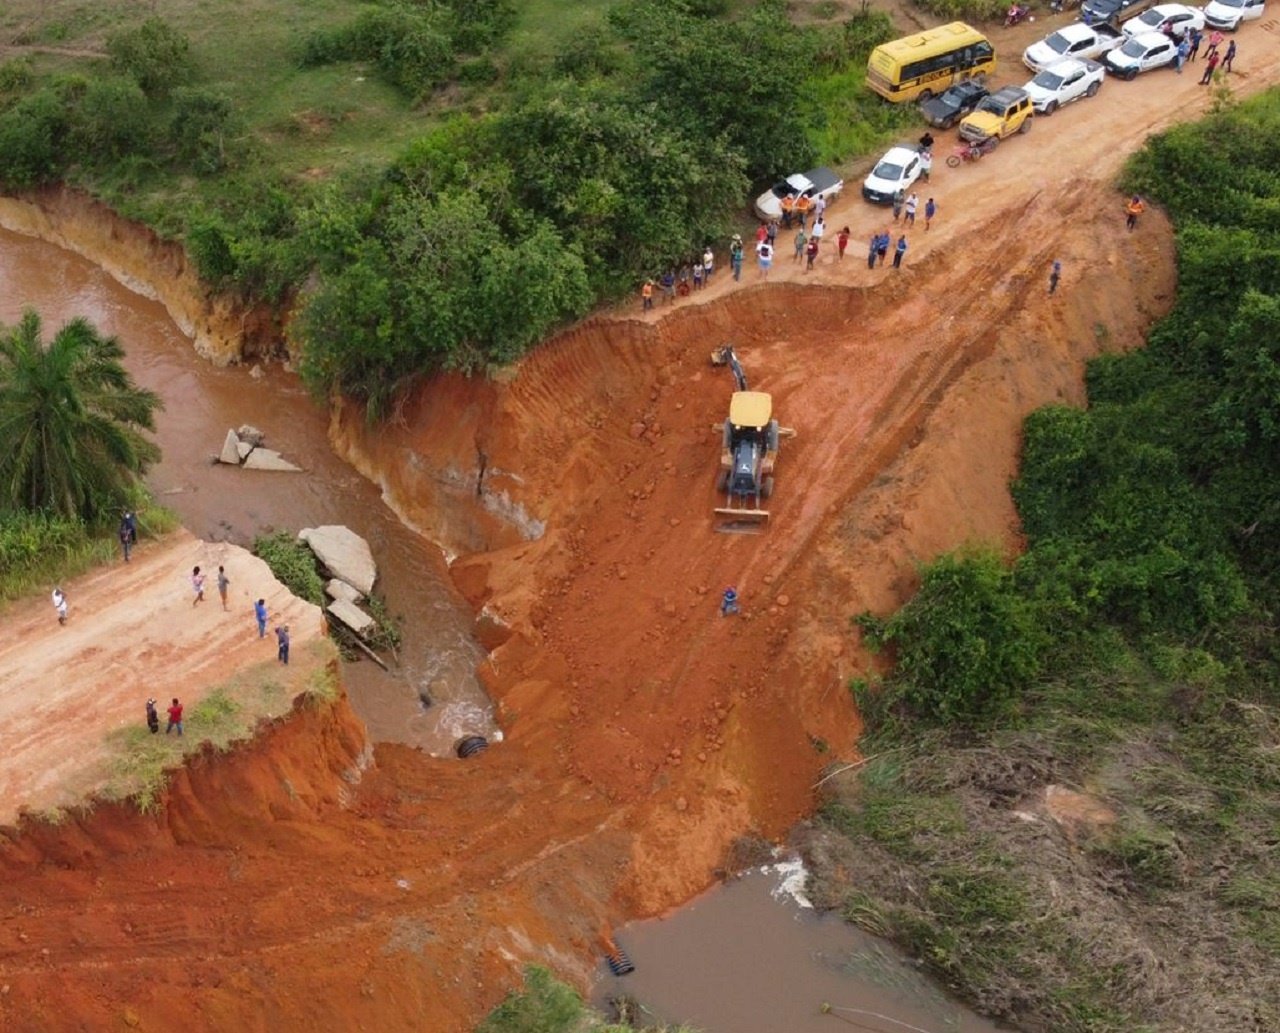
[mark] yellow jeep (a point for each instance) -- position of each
(1002, 114)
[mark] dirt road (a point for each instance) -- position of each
(132, 633)
(646, 733)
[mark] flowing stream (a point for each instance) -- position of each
(438, 655)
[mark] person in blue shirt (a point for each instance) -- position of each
(260, 611)
(282, 637)
(899, 251)
(729, 603)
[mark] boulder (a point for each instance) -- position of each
(336, 589)
(229, 454)
(251, 434)
(243, 448)
(352, 616)
(257, 372)
(266, 459)
(344, 554)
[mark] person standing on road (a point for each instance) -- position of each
(811, 253)
(930, 210)
(926, 142)
(735, 256)
(729, 602)
(175, 717)
(646, 296)
(1196, 37)
(842, 242)
(224, 583)
(197, 586)
(153, 718)
(801, 240)
(128, 533)
(1132, 210)
(882, 250)
(1055, 274)
(820, 207)
(260, 613)
(899, 251)
(898, 197)
(282, 644)
(1215, 41)
(708, 263)
(909, 209)
(1210, 66)
(1230, 56)
(764, 256)
(60, 605)
(872, 249)
(819, 229)
(1180, 55)
(699, 273)
(926, 164)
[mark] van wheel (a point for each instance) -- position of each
(925, 95)
(1092, 91)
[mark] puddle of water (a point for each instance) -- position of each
(215, 502)
(752, 957)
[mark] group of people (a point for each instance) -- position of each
(1189, 48)
(691, 276)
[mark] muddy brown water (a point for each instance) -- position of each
(438, 655)
(748, 957)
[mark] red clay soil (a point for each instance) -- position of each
(293, 886)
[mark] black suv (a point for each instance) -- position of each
(948, 107)
(1112, 12)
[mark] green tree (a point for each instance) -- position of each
(71, 420)
(202, 121)
(157, 55)
(111, 120)
(967, 644)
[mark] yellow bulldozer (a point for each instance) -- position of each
(749, 449)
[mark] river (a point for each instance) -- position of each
(221, 503)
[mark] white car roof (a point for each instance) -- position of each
(1167, 10)
(1074, 31)
(899, 155)
(1064, 67)
(800, 182)
(1151, 39)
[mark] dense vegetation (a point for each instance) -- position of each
(1129, 653)
(72, 423)
(527, 178)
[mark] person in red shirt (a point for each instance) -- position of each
(842, 241)
(175, 718)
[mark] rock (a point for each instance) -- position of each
(251, 434)
(637, 429)
(257, 372)
(267, 459)
(243, 448)
(344, 553)
(352, 616)
(336, 589)
(229, 455)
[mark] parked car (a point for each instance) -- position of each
(1074, 40)
(1111, 12)
(1175, 18)
(1064, 82)
(1004, 113)
(1141, 54)
(814, 183)
(897, 170)
(1228, 14)
(948, 107)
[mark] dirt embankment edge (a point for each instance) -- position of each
(222, 328)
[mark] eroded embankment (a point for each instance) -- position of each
(221, 328)
(645, 732)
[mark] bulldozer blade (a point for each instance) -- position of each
(742, 521)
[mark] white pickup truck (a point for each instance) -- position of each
(1064, 82)
(1076, 40)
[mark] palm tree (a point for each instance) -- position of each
(70, 421)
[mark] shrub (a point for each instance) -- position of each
(293, 564)
(966, 645)
(32, 140)
(112, 119)
(202, 122)
(157, 55)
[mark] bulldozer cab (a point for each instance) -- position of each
(749, 449)
(750, 410)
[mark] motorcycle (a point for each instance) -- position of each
(972, 151)
(1016, 16)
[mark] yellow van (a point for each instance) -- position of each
(926, 63)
